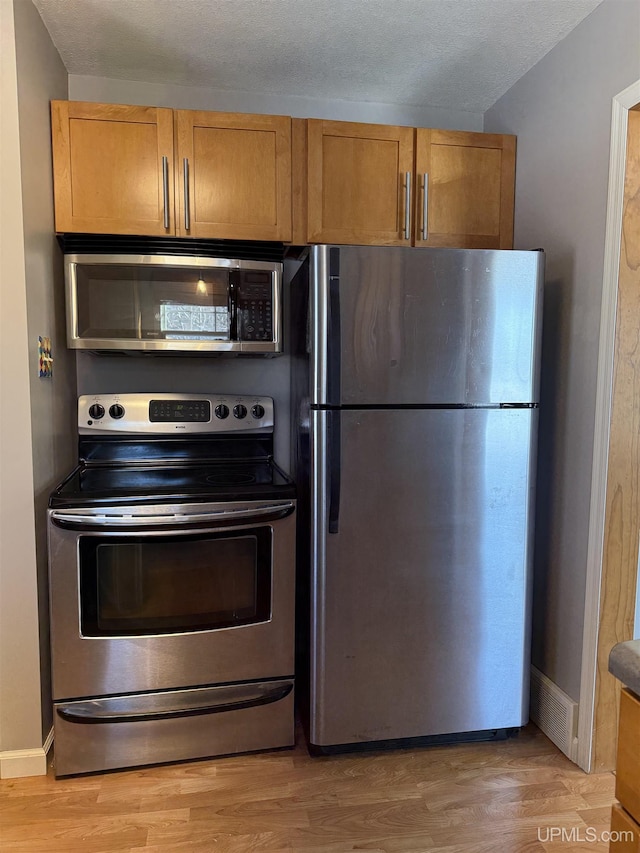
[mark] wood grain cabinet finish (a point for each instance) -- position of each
(625, 832)
(628, 761)
(117, 171)
(355, 183)
(233, 175)
(465, 189)
(113, 168)
(399, 186)
(625, 816)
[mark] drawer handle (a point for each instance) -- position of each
(96, 712)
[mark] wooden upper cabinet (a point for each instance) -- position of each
(233, 175)
(356, 182)
(469, 189)
(113, 168)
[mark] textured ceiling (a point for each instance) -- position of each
(459, 54)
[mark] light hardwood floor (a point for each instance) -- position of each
(503, 797)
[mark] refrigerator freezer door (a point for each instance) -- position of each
(396, 326)
(420, 599)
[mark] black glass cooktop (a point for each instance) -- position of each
(164, 473)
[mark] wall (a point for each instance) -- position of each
(41, 78)
(111, 91)
(20, 718)
(561, 113)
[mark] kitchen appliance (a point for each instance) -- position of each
(158, 303)
(416, 407)
(171, 559)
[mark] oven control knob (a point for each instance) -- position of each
(257, 411)
(96, 411)
(239, 411)
(222, 411)
(116, 411)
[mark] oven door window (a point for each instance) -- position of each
(134, 586)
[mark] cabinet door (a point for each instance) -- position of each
(113, 168)
(356, 183)
(465, 191)
(233, 175)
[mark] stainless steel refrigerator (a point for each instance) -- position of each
(415, 389)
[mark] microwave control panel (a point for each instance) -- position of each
(255, 306)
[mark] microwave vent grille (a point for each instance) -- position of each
(119, 244)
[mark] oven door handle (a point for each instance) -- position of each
(130, 521)
(133, 710)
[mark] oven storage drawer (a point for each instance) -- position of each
(177, 725)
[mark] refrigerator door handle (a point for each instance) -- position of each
(334, 466)
(333, 332)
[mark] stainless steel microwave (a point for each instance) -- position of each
(173, 304)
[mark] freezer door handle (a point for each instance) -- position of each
(334, 449)
(334, 336)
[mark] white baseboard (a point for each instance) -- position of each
(25, 762)
(554, 713)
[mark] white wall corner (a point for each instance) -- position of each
(17, 763)
(554, 713)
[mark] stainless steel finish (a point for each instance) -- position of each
(165, 190)
(136, 417)
(425, 206)
(407, 206)
(166, 514)
(430, 326)
(99, 666)
(420, 588)
(187, 200)
(74, 341)
(420, 603)
(85, 747)
(318, 311)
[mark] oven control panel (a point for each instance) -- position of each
(173, 414)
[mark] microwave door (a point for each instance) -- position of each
(173, 304)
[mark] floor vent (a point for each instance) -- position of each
(555, 713)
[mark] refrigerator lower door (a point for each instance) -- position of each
(421, 594)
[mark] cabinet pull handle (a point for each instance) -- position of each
(165, 190)
(187, 213)
(407, 206)
(425, 207)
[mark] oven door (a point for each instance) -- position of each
(156, 597)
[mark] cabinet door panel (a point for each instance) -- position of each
(356, 182)
(470, 184)
(239, 175)
(108, 168)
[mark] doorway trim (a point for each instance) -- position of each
(621, 105)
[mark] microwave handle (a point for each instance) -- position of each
(234, 330)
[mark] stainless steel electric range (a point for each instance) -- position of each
(172, 565)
